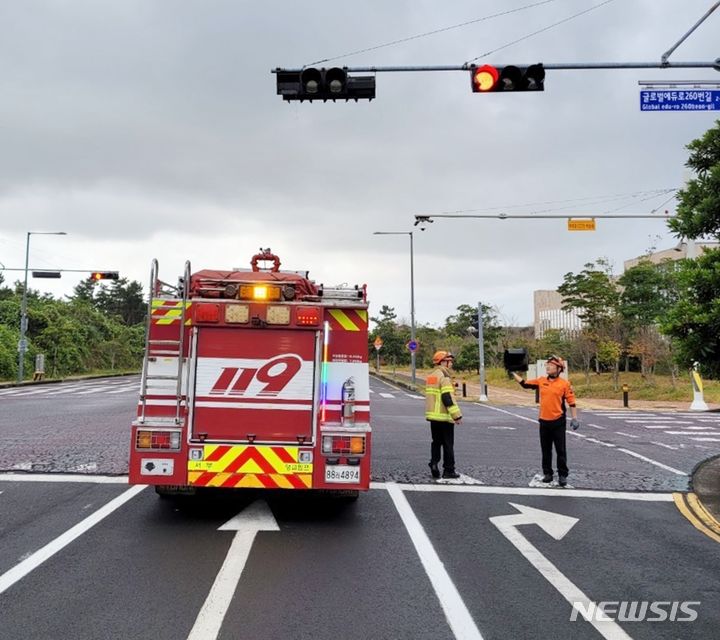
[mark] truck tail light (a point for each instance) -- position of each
(170, 440)
(308, 316)
(344, 445)
(205, 312)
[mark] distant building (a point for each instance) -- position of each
(549, 314)
(682, 250)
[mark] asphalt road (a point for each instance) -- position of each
(82, 556)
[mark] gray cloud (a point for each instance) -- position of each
(130, 122)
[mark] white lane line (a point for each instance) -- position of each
(706, 439)
(458, 617)
(629, 435)
(639, 496)
(371, 391)
(19, 571)
(700, 428)
(667, 446)
(387, 395)
(659, 420)
(504, 428)
(593, 440)
(414, 397)
(606, 444)
(596, 426)
(658, 426)
(61, 477)
(691, 433)
(655, 462)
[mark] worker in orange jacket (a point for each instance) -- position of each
(555, 392)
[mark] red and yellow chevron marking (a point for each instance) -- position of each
(169, 311)
(249, 466)
(348, 319)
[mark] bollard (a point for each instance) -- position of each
(486, 390)
(626, 391)
(537, 396)
(464, 390)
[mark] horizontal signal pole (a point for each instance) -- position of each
(555, 66)
(54, 270)
(528, 216)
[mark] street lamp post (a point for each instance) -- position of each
(412, 293)
(22, 344)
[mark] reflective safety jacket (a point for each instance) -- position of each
(440, 405)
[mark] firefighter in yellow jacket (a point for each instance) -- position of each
(442, 412)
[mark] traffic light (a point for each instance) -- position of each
(324, 84)
(46, 274)
(487, 79)
(104, 275)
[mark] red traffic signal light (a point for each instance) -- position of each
(484, 78)
(487, 78)
(104, 275)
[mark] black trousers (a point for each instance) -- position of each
(443, 440)
(552, 432)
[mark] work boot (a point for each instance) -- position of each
(435, 472)
(562, 481)
(450, 475)
(547, 478)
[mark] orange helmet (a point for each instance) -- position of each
(557, 361)
(442, 355)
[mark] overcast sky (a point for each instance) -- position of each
(152, 129)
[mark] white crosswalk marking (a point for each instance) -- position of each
(387, 395)
(414, 397)
(97, 390)
(127, 389)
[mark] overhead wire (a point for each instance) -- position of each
(431, 33)
(546, 28)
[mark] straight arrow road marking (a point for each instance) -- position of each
(457, 615)
(557, 526)
(254, 518)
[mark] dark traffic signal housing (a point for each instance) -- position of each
(489, 79)
(104, 275)
(324, 84)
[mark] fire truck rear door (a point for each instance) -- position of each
(255, 384)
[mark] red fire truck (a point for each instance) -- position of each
(253, 378)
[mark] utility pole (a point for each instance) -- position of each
(481, 349)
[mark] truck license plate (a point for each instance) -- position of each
(342, 473)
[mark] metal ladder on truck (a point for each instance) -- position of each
(160, 290)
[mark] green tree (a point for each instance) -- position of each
(394, 337)
(694, 320)
(648, 291)
(698, 210)
(592, 293)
